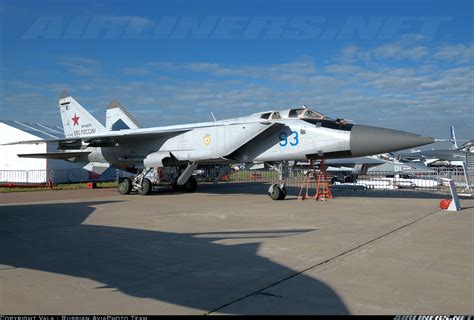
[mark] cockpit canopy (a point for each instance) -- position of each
(271, 115)
(295, 113)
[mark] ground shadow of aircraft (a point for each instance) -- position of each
(191, 270)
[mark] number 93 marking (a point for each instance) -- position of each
(284, 139)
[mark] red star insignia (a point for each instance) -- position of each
(76, 120)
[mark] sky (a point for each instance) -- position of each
(405, 65)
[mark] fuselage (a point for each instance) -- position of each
(254, 139)
(297, 134)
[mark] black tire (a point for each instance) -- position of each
(190, 185)
(276, 193)
(146, 187)
(174, 186)
(283, 193)
(125, 186)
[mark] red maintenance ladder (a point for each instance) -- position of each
(320, 179)
(306, 184)
(323, 192)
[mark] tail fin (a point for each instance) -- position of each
(117, 117)
(77, 122)
(453, 138)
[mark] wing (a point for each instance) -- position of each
(55, 155)
(256, 144)
(106, 140)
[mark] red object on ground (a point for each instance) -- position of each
(91, 185)
(444, 204)
(22, 185)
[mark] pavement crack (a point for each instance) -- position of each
(270, 295)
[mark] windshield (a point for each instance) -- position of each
(276, 115)
(295, 113)
(265, 115)
(310, 114)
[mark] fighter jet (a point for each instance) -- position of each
(295, 134)
(345, 169)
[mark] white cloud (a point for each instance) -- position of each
(459, 53)
(373, 86)
(300, 66)
(136, 71)
(79, 66)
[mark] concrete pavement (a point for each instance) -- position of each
(229, 249)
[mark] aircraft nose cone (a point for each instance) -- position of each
(367, 140)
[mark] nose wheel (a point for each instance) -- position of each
(277, 191)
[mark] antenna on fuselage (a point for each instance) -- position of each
(212, 114)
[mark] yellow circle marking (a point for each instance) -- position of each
(207, 139)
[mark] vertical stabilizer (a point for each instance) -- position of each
(453, 138)
(118, 118)
(77, 122)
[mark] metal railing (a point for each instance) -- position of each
(423, 180)
(55, 175)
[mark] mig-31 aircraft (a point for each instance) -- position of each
(296, 134)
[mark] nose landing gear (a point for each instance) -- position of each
(277, 191)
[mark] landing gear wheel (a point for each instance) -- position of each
(146, 187)
(190, 185)
(125, 186)
(283, 193)
(174, 186)
(277, 193)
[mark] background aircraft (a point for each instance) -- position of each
(298, 134)
(455, 156)
(462, 157)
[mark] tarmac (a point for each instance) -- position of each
(230, 249)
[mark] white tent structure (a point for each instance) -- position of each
(32, 170)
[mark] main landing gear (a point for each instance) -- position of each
(144, 186)
(189, 186)
(141, 184)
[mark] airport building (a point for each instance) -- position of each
(14, 169)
